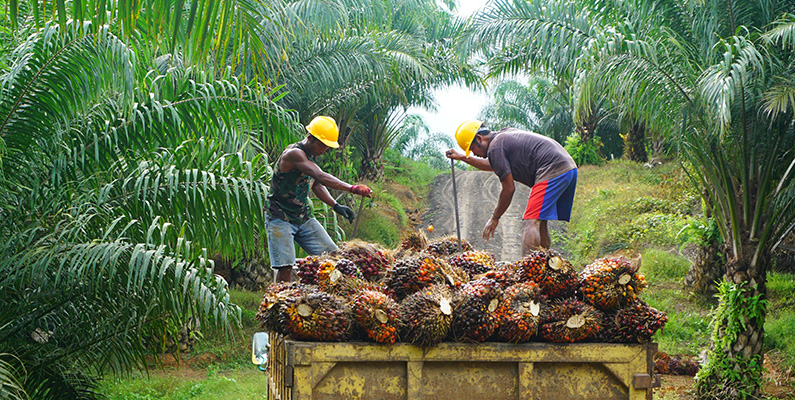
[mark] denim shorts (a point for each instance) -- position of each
(310, 236)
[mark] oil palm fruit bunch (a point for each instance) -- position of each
(377, 315)
(611, 283)
(427, 315)
(411, 274)
(349, 268)
(474, 310)
(634, 324)
(331, 280)
(447, 246)
(473, 262)
(276, 295)
(520, 312)
(414, 241)
(665, 364)
(548, 269)
(571, 320)
(371, 259)
(308, 268)
(314, 315)
(504, 274)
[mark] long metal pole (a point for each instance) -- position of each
(455, 202)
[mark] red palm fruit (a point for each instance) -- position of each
(506, 275)
(447, 246)
(371, 259)
(553, 273)
(308, 268)
(611, 283)
(520, 312)
(427, 315)
(377, 315)
(571, 320)
(474, 306)
(275, 295)
(473, 262)
(411, 274)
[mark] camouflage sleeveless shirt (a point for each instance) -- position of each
(289, 193)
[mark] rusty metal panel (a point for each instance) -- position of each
(459, 371)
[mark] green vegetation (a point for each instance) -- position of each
(624, 205)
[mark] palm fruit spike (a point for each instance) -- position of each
(427, 315)
(505, 274)
(414, 241)
(474, 317)
(377, 315)
(473, 262)
(275, 295)
(571, 320)
(520, 313)
(447, 246)
(611, 283)
(316, 316)
(308, 268)
(370, 258)
(634, 324)
(548, 269)
(414, 273)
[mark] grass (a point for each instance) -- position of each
(241, 384)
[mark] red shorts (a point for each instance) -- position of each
(552, 199)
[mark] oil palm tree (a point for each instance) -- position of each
(719, 74)
(115, 192)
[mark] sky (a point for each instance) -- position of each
(455, 104)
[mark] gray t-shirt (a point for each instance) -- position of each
(530, 157)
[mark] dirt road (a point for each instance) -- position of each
(477, 196)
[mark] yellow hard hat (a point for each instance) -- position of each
(466, 133)
(325, 129)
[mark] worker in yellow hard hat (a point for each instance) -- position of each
(289, 215)
(529, 158)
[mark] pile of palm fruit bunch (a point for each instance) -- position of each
(428, 291)
(665, 364)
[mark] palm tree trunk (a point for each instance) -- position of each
(734, 369)
(706, 270)
(635, 143)
(587, 129)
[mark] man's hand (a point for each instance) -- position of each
(346, 212)
(454, 154)
(488, 231)
(361, 190)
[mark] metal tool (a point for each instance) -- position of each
(358, 214)
(455, 202)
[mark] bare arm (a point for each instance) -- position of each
(297, 159)
(322, 193)
(473, 160)
(506, 195)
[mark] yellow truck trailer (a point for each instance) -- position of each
(300, 370)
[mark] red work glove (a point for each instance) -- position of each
(361, 190)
